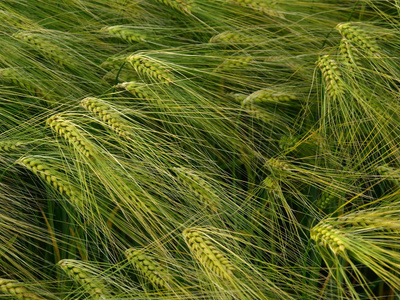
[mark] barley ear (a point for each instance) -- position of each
(21, 79)
(358, 37)
(207, 254)
(17, 290)
(125, 33)
(45, 47)
(93, 285)
(51, 176)
(325, 235)
(184, 6)
(105, 112)
(150, 68)
(71, 134)
(199, 187)
(9, 146)
(137, 89)
(149, 267)
(332, 76)
(259, 6)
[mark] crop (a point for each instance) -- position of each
(205, 149)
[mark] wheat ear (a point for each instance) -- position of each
(105, 112)
(17, 289)
(71, 134)
(92, 284)
(149, 267)
(150, 68)
(207, 254)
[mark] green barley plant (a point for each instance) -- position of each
(239, 149)
(92, 284)
(149, 267)
(17, 289)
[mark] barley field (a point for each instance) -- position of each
(200, 149)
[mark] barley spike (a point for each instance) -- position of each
(71, 134)
(149, 267)
(150, 68)
(207, 254)
(17, 290)
(82, 276)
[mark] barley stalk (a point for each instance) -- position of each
(71, 134)
(149, 267)
(51, 176)
(207, 254)
(92, 284)
(332, 76)
(17, 290)
(105, 112)
(150, 68)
